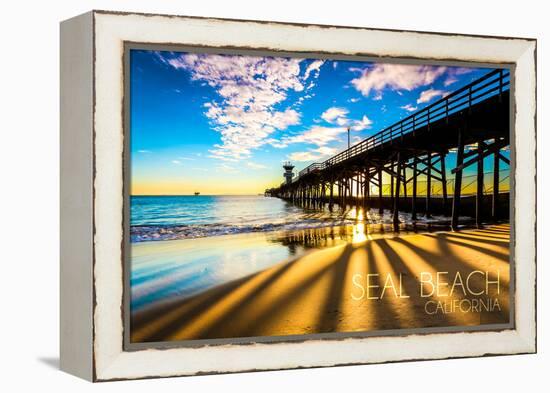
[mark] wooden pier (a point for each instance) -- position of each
(413, 150)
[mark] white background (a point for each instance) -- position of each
(29, 197)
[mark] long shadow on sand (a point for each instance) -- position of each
(253, 305)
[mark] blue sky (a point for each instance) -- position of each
(222, 124)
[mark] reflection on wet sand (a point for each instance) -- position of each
(344, 287)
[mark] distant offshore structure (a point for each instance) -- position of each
(288, 167)
(197, 193)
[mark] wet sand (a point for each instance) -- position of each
(345, 288)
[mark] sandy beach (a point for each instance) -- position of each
(406, 281)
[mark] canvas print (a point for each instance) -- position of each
(283, 197)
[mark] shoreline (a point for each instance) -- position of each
(324, 290)
(374, 228)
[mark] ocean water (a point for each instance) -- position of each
(188, 217)
(212, 240)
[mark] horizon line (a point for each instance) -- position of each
(254, 194)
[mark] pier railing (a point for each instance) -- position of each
(492, 84)
(311, 168)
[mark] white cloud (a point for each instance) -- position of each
(276, 143)
(331, 115)
(461, 70)
(313, 154)
(428, 95)
(395, 76)
(359, 125)
(409, 107)
(315, 66)
(454, 72)
(338, 116)
(353, 100)
(249, 88)
(144, 151)
(303, 156)
(450, 80)
(341, 121)
(316, 135)
(176, 162)
(326, 151)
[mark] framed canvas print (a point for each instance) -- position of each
(245, 195)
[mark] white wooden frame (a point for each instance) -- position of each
(92, 194)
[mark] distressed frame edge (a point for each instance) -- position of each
(76, 196)
(128, 346)
(528, 340)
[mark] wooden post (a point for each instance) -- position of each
(444, 183)
(404, 180)
(458, 182)
(396, 197)
(366, 189)
(344, 191)
(380, 197)
(496, 181)
(414, 190)
(479, 193)
(392, 166)
(357, 189)
(331, 195)
(349, 195)
(428, 185)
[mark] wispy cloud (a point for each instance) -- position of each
(316, 135)
(359, 125)
(409, 107)
(254, 165)
(428, 95)
(303, 156)
(319, 153)
(326, 151)
(331, 115)
(450, 80)
(227, 168)
(249, 89)
(314, 67)
(395, 76)
(176, 162)
(144, 151)
(454, 72)
(338, 116)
